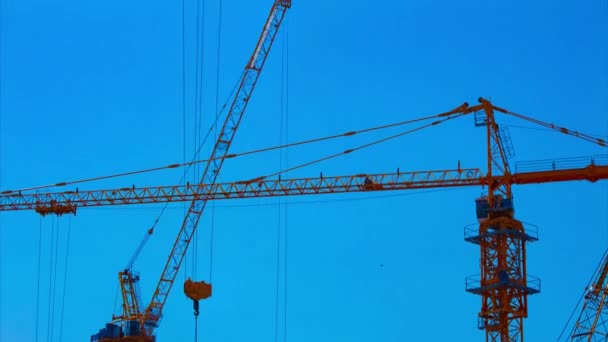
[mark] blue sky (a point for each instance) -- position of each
(94, 88)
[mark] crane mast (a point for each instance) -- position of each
(592, 324)
(502, 282)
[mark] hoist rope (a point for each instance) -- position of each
(277, 273)
(281, 245)
(38, 278)
(65, 278)
(198, 106)
(48, 322)
(235, 155)
(286, 32)
(201, 77)
(195, 328)
(183, 107)
(55, 262)
(217, 87)
(348, 151)
(196, 80)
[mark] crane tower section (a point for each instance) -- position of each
(502, 283)
(592, 324)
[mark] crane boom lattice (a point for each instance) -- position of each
(592, 324)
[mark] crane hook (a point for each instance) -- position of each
(195, 302)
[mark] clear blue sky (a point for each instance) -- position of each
(92, 88)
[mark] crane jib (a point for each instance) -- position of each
(59, 203)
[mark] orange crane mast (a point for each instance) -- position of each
(592, 324)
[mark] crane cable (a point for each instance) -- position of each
(235, 155)
(65, 278)
(38, 278)
(282, 207)
(587, 137)
(55, 262)
(183, 106)
(360, 147)
(48, 323)
(217, 87)
(198, 106)
(286, 31)
(279, 199)
(198, 118)
(195, 328)
(599, 141)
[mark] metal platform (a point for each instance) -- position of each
(471, 233)
(473, 285)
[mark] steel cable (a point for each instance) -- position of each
(65, 278)
(38, 278)
(217, 82)
(48, 323)
(55, 277)
(287, 164)
(316, 161)
(234, 155)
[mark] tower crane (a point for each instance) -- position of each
(592, 324)
(139, 325)
(129, 289)
(503, 283)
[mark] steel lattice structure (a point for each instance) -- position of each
(503, 283)
(69, 201)
(592, 324)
